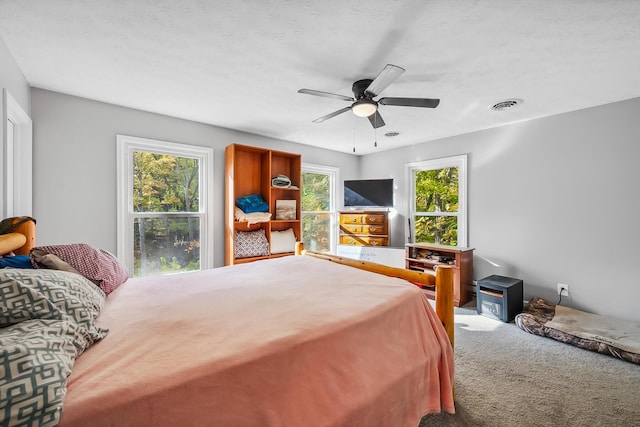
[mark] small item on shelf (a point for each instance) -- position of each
(281, 181)
(286, 209)
(251, 218)
(423, 254)
(431, 255)
(252, 203)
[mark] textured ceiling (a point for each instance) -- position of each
(239, 64)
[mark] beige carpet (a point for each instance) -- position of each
(507, 377)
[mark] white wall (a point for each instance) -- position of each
(75, 164)
(11, 79)
(550, 200)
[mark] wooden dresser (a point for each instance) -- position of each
(364, 228)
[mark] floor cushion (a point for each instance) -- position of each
(606, 335)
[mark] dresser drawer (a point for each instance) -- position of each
(377, 241)
(351, 219)
(363, 240)
(373, 219)
(373, 229)
(352, 240)
(351, 228)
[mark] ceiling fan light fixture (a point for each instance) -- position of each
(364, 107)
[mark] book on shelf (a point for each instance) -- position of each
(285, 209)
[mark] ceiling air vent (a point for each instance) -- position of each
(506, 104)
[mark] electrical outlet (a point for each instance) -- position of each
(563, 289)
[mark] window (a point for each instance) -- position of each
(164, 206)
(438, 201)
(319, 207)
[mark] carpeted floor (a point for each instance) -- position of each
(507, 377)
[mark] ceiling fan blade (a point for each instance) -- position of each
(384, 79)
(330, 115)
(410, 102)
(376, 120)
(326, 94)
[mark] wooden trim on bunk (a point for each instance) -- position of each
(442, 280)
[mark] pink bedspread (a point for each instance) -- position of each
(294, 341)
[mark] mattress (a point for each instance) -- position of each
(282, 342)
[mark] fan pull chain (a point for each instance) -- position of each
(354, 139)
(375, 130)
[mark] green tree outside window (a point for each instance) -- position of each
(436, 199)
(165, 184)
(318, 207)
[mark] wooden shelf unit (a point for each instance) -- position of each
(248, 170)
(364, 228)
(427, 256)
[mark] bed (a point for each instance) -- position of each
(290, 341)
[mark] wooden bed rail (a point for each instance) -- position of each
(21, 239)
(442, 280)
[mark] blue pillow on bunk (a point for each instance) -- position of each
(18, 261)
(252, 203)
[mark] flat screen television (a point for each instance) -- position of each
(368, 193)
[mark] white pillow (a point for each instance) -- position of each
(283, 241)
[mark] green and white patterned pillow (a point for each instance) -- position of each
(36, 357)
(47, 319)
(51, 294)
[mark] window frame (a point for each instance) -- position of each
(16, 158)
(126, 146)
(334, 176)
(460, 162)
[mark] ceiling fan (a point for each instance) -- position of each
(363, 104)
